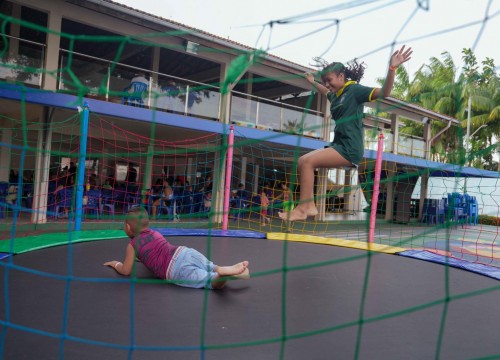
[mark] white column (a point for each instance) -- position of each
(243, 174)
(5, 151)
(391, 167)
(42, 168)
(256, 179)
(220, 164)
(155, 65)
(389, 201)
(425, 177)
(321, 194)
(347, 190)
(248, 90)
(356, 192)
(149, 168)
(189, 172)
(15, 31)
(395, 132)
(52, 49)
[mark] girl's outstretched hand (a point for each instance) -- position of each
(401, 56)
(309, 77)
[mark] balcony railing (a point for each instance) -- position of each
(108, 81)
(407, 145)
(21, 60)
(267, 114)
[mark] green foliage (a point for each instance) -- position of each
(435, 86)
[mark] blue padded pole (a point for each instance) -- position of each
(80, 182)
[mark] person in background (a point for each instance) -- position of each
(140, 78)
(131, 177)
(287, 196)
(72, 172)
(108, 184)
(264, 205)
(207, 201)
(166, 194)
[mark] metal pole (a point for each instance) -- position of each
(107, 82)
(467, 144)
(150, 90)
(84, 127)
(186, 103)
(376, 186)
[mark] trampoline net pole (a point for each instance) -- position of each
(227, 183)
(376, 187)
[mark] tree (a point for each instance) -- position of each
(483, 88)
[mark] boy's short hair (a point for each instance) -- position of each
(137, 218)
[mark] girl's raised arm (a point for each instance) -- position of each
(321, 88)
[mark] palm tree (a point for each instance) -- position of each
(434, 88)
(483, 88)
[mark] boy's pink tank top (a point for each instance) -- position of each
(154, 251)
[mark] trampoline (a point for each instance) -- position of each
(318, 309)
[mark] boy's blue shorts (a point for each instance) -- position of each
(192, 269)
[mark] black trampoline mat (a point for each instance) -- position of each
(325, 300)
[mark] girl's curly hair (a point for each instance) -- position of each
(353, 70)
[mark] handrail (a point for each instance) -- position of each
(193, 82)
(276, 102)
(139, 69)
(24, 40)
(260, 99)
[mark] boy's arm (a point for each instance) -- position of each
(124, 268)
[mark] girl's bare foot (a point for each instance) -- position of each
(298, 214)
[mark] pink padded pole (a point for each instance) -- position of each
(376, 186)
(227, 184)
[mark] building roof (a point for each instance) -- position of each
(230, 44)
(400, 107)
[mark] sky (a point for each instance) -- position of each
(344, 30)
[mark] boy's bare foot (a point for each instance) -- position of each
(245, 275)
(233, 270)
(298, 214)
(237, 271)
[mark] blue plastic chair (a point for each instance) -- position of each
(434, 211)
(93, 202)
(457, 208)
(198, 202)
(51, 199)
(4, 189)
(186, 202)
(430, 212)
(132, 199)
(27, 195)
(167, 205)
(135, 98)
(108, 200)
(472, 209)
(64, 200)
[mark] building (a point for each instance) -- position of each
(95, 48)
